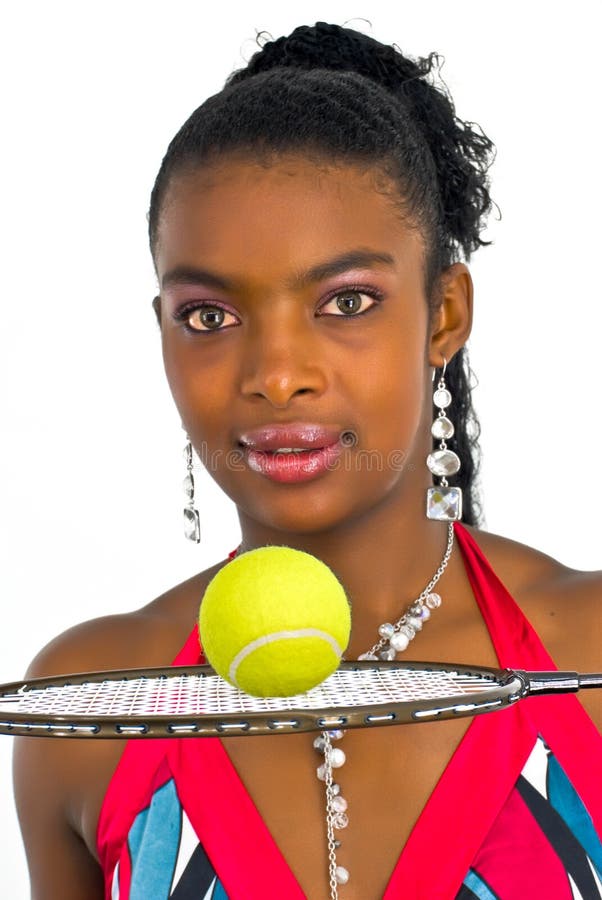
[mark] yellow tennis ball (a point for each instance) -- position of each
(274, 621)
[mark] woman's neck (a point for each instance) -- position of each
(384, 558)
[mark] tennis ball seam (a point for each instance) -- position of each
(279, 636)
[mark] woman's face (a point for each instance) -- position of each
(277, 343)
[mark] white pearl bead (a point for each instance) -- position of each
(399, 641)
(342, 875)
(321, 772)
(319, 744)
(337, 757)
(386, 630)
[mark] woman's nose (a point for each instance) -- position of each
(282, 360)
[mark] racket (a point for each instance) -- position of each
(193, 701)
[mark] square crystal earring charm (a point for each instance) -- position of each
(444, 503)
(192, 524)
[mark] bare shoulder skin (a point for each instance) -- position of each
(564, 605)
(60, 784)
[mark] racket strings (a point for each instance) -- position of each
(204, 694)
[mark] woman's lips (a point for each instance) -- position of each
(293, 467)
(298, 435)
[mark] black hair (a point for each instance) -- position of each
(338, 95)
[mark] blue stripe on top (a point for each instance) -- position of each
(154, 850)
(568, 804)
(154, 843)
(475, 883)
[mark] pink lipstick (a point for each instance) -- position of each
(292, 452)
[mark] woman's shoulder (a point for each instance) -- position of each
(563, 604)
(521, 567)
(149, 636)
(530, 572)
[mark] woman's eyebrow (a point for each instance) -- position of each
(352, 259)
(335, 266)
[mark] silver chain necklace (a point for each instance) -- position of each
(394, 638)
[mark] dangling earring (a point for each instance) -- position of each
(443, 502)
(192, 524)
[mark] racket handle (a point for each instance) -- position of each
(559, 682)
(591, 680)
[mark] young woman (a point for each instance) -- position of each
(310, 227)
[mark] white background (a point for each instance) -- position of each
(91, 464)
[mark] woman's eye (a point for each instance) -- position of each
(203, 317)
(349, 302)
(200, 318)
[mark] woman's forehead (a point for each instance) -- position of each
(293, 208)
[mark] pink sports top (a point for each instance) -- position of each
(167, 827)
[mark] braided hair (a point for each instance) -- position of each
(339, 95)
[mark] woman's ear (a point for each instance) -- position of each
(157, 308)
(452, 321)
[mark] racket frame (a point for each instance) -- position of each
(507, 686)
